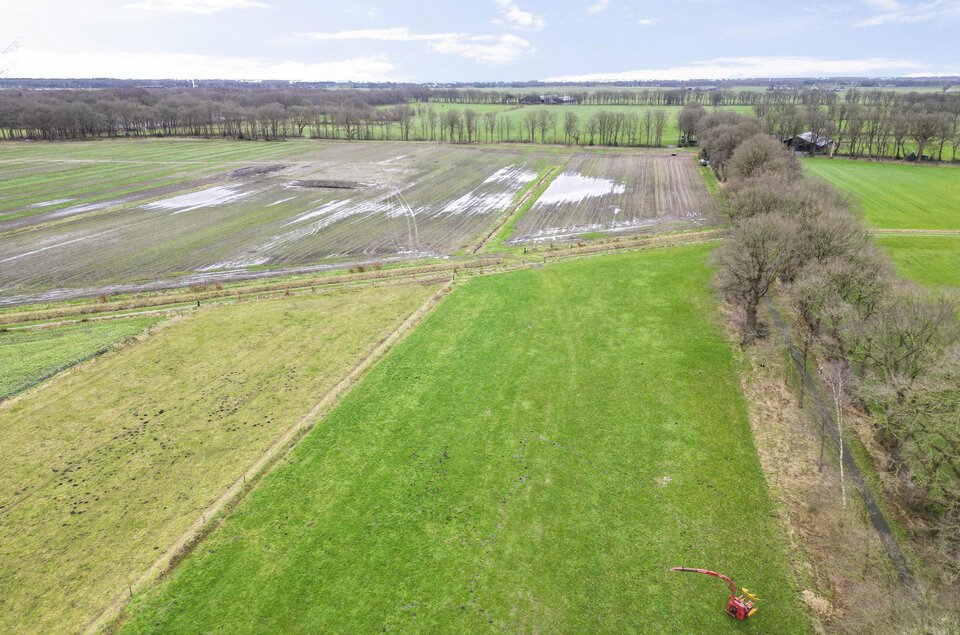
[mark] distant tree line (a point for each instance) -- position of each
(879, 341)
(871, 123)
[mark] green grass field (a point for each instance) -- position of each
(516, 114)
(106, 467)
(29, 357)
(897, 195)
(533, 458)
(930, 260)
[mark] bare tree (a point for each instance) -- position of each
(491, 118)
(470, 123)
(759, 155)
(837, 377)
(749, 261)
(688, 120)
(659, 121)
(545, 119)
(569, 125)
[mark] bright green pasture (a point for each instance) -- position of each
(28, 357)
(897, 195)
(533, 458)
(931, 260)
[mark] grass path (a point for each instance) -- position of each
(534, 457)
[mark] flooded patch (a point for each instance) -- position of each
(58, 201)
(573, 188)
(563, 233)
(328, 208)
(209, 197)
(80, 209)
(514, 174)
(474, 203)
(237, 263)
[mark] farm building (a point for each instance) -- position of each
(552, 100)
(805, 142)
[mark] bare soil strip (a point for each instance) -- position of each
(242, 486)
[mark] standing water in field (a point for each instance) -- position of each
(204, 198)
(572, 188)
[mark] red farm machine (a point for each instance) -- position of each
(738, 606)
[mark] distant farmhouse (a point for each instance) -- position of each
(808, 142)
(550, 100)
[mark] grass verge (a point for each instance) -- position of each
(534, 457)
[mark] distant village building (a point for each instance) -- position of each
(551, 100)
(806, 141)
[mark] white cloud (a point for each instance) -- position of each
(396, 34)
(598, 7)
(125, 65)
(493, 49)
(515, 17)
(646, 21)
(202, 7)
(748, 67)
(372, 12)
(896, 12)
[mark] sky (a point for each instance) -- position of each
(480, 40)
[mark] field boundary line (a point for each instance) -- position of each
(111, 615)
(517, 209)
(186, 306)
(916, 232)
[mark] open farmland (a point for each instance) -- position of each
(310, 203)
(106, 466)
(27, 357)
(297, 204)
(897, 195)
(617, 193)
(533, 458)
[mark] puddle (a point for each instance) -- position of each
(80, 209)
(332, 206)
(58, 201)
(473, 203)
(514, 174)
(239, 263)
(574, 188)
(204, 198)
(561, 233)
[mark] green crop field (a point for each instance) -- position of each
(897, 195)
(107, 466)
(30, 356)
(931, 260)
(533, 458)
